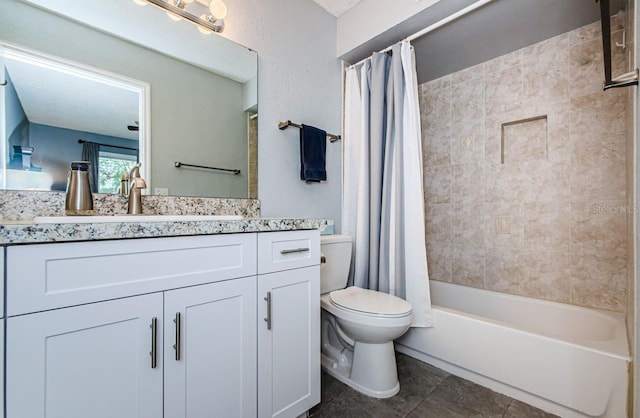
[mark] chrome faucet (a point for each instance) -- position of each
(137, 183)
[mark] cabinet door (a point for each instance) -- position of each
(86, 361)
(2, 265)
(2, 250)
(1, 368)
(215, 372)
(288, 352)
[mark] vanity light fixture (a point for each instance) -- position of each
(216, 14)
(180, 4)
(212, 21)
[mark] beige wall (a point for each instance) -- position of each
(542, 211)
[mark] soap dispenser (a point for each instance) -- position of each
(79, 200)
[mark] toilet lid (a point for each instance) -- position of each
(370, 302)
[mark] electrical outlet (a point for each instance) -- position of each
(161, 191)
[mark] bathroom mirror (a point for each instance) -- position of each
(183, 97)
(57, 111)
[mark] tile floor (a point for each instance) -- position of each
(425, 392)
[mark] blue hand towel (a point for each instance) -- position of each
(313, 154)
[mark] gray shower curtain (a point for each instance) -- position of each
(383, 195)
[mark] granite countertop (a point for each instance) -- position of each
(27, 232)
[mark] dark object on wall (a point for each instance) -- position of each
(626, 79)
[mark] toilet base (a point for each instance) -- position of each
(379, 383)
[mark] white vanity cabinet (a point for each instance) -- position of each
(86, 361)
(288, 323)
(2, 251)
(90, 328)
(169, 327)
(210, 353)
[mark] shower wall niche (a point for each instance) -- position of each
(525, 173)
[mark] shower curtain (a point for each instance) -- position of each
(383, 195)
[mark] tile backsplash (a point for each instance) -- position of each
(525, 184)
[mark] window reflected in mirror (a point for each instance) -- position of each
(112, 167)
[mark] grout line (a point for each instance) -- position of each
(508, 406)
(415, 407)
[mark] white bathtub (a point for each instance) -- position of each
(565, 359)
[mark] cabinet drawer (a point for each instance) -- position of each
(48, 276)
(279, 251)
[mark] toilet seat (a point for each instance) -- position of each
(370, 302)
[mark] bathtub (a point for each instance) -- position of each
(567, 360)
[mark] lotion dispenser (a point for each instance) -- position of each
(79, 200)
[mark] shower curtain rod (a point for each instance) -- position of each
(470, 8)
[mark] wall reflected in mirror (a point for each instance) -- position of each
(187, 113)
(56, 112)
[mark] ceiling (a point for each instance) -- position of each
(57, 98)
(498, 28)
(337, 7)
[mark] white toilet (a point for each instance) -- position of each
(358, 325)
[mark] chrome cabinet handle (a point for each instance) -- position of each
(176, 346)
(294, 250)
(268, 318)
(154, 338)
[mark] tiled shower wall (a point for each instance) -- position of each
(525, 181)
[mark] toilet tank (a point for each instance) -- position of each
(334, 273)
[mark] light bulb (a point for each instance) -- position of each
(180, 5)
(140, 2)
(202, 29)
(218, 9)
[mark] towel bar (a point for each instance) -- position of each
(284, 124)
(179, 164)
